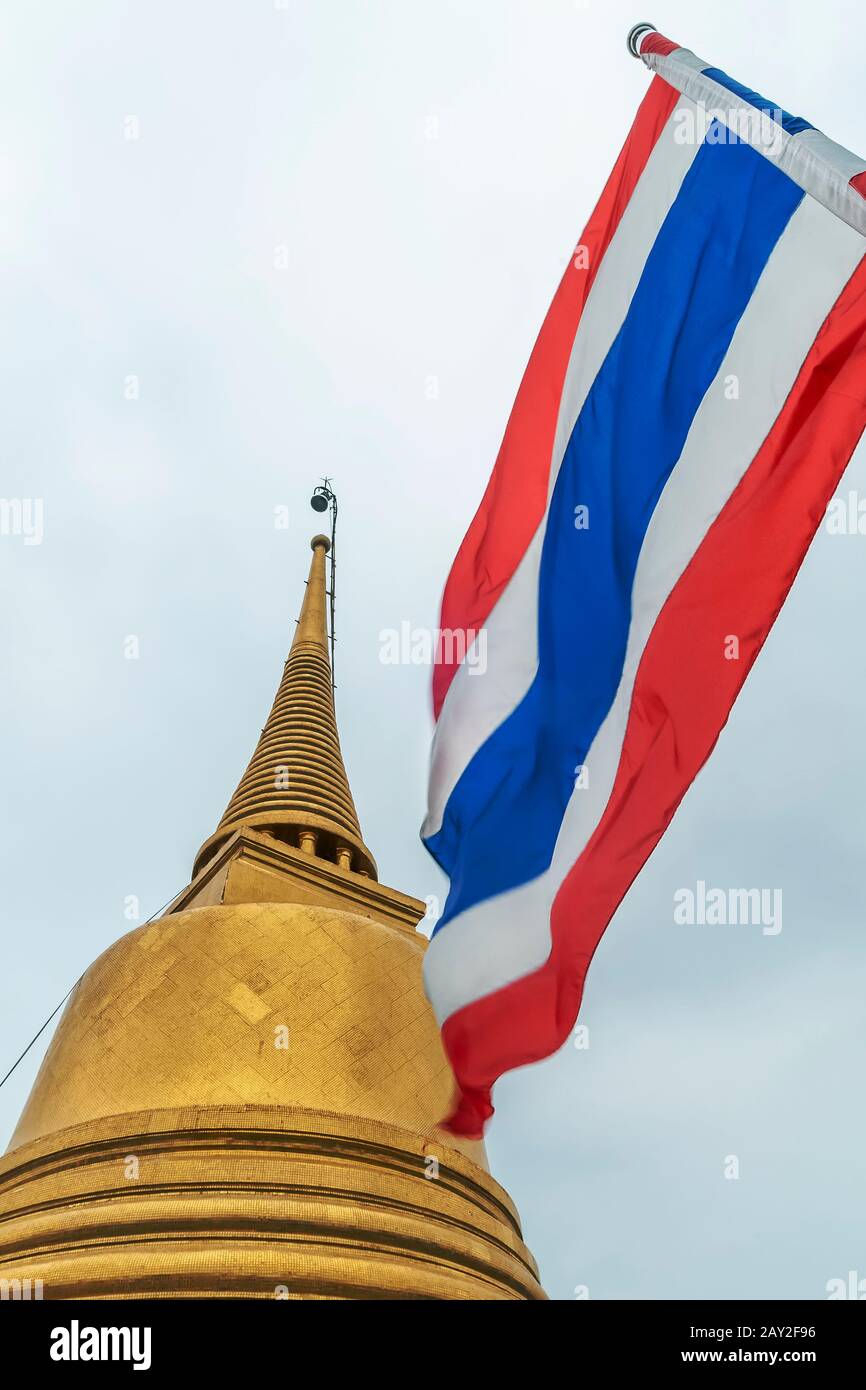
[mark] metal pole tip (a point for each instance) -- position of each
(636, 34)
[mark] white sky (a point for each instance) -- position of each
(427, 169)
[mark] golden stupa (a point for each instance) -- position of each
(241, 1097)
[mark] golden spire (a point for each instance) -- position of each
(295, 787)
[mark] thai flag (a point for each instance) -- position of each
(695, 393)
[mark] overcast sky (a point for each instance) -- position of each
(329, 250)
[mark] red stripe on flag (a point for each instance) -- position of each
(859, 182)
(657, 43)
(735, 583)
(516, 495)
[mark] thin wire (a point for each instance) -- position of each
(333, 589)
(41, 1030)
(66, 996)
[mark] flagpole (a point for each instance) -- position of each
(636, 33)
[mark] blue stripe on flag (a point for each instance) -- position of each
(502, 819)
(793, 124)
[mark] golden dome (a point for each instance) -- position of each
(255, 1003)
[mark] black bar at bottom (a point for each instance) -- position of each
(261, 1337)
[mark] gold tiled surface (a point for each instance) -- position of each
(247, 1200)
(184, 1011)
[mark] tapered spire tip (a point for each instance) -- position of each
(296, 787)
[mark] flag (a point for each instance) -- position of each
(695, 393)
